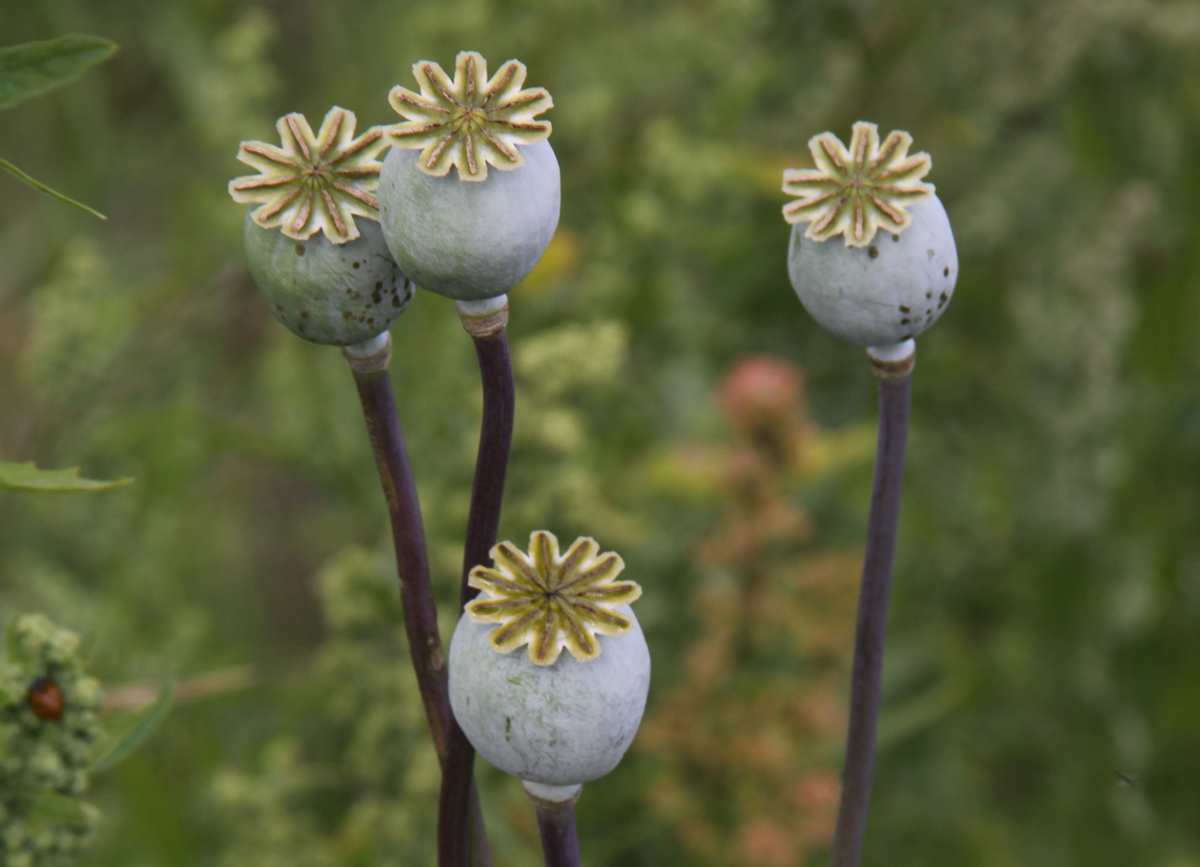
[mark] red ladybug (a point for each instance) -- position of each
(46, 699)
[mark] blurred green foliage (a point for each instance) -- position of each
(49, 727)
(1045, 632)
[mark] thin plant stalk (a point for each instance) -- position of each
(560, 841)
(555, 808)
(483, 523)
(491, 464)
(895, 390)
(412, 562)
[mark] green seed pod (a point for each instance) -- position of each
(544, 716)
(313, 242)
(896, 271)
(469, 241)
(454, 227)
(886, 292)
(329, 293)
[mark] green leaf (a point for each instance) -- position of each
(136, 731)
(27, 477)
(55, 809)
(33, 68)
(38, 185)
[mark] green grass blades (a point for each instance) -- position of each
(27, 477)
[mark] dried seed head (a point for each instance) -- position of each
(550, 600)
(472, 121)
(859, 190)
(313, 183)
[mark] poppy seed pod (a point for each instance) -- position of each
(337, 294)
(455, 227)
(884, 293)
(896, 271)
(469, 241)
(313, 242)
(544, 716)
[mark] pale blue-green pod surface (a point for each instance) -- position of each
(337, 294)
(560, 724)
(886, 292)
(469, 240)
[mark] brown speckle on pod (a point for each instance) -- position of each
(299, 249)
(46, 699)
(873, 251)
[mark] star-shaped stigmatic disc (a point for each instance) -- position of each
(313, 183)
(470, 122)
(550, 600)
(859, 190)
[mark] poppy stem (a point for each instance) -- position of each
(486, 322)
(893, 367)
(555, 807)
(369, 362)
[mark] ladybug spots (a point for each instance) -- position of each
(46, 699)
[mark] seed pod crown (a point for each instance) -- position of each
(857, 191)
(471, 122)
(552, 601)
(313, 183)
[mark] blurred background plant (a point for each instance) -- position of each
(1044, 632)
(49, 728)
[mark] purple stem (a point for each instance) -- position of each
(867, 678)
(483, 523)
(560, 841)
(412, 564)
